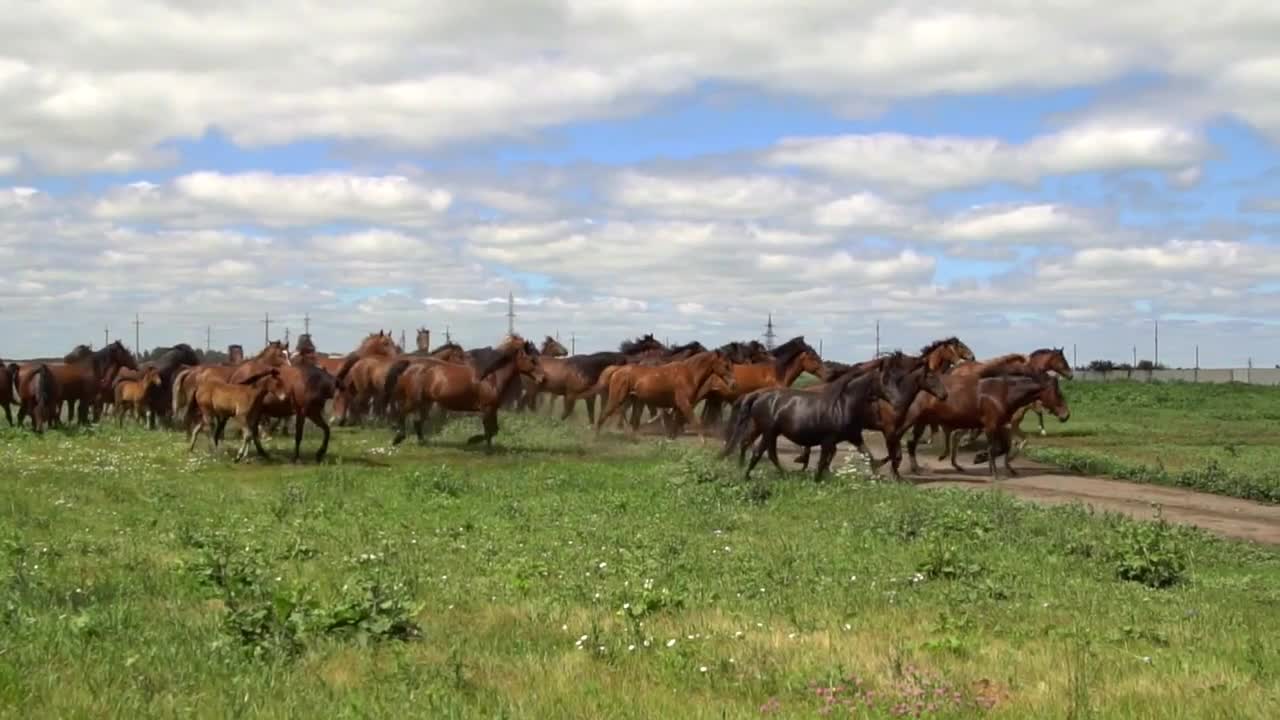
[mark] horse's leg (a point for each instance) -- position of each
(610, 407)
(298, 424)
(757, 454)
(401, 427)
(825, 457)
(772, 447)
(195, 433)
(1006, 448)
(317, 418)
(8, 415)
(257, 442)
(803, 458)
(955, 447)
(916, 431)
(752, 433)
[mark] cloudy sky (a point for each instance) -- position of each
(1019, 174)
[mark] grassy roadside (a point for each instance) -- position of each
(564, 577)
(1221, 439)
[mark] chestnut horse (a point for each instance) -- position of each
(1002, 396)
(651, 358)
(670, 385)
(186, 380)
(361, 373)
(476, 386)
(131, 395)
(962, 408)
(1043, 359)
(783, 366)
(305, 389)
(39, 396)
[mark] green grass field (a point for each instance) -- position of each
(563, 577)
(1223, 439)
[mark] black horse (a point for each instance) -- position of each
(837, 414)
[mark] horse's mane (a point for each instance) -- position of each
(446, 346)
(644, 342)
(953, 340)
(788, 351)
(695, 347)
(1005, 360)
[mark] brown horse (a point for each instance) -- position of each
(363, 373)
(531, 392)
(652, 357)
(423, 339)
(8, 381)
(131, 395)
(1001, 397)
(81, 375)
(962, 408)
(1043, 359)
(476, 386)
(39, 396)
(670, 385)
(168, 362)
(784, 364)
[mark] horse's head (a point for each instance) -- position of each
(274, 384)
(527, 361)
(811, 363)
(646, 343)
(1051, 397)
(551, 347)
(120, 355)
(305, 346)
(513, 340)
(151, 377)
(942, 354)
(380, 343)
(274, 354)
(722, 368)
(79, 353)
(423, 339)
(1052, 360)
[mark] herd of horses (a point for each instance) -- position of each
(942, 388)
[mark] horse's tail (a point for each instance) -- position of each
(44, 388)
(739, 421)
(13, 376)
(180, 389)
(341, 377)
(393, 379)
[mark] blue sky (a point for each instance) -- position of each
(616, 183)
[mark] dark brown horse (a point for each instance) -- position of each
(837, 414)
(670, 385)
(8, 387)
(306, 388)
(937, 357)
(530, 391)
(414, 388)
(81, 375)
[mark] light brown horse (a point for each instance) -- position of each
(1043, 359)
(274, 355)
(652, 357)
(671, 385)
(131, 395)
(363, 373)
(475, 386)
(80, 377)
(215, 402)
(423, 339)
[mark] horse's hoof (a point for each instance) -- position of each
(1043, 433)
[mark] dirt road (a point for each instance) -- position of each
(1225, 516)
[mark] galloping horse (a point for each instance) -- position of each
(837, 414)
(476, 386)
(962, 408)
(937, 357)
(1002, 396)
(672, 385)
(80, 377)
(362, 373)
(652, 358)
(1043, 359)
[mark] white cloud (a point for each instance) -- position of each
(278, 200)
(1020, 223)
(733, 197)
(8, 164)
(921, 164)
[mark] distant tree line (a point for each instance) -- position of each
(1109, 366)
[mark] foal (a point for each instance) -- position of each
(220, 401)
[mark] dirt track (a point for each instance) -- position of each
(1036, 482)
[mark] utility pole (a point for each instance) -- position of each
(266, 329)
(137, 334)
(511, 313)
(768, 333)
(208, 338)
(306, 323)
(447, 337)
(877, 339)
(1156, 361)
(819, 347)
(1197, 373)
(286, 338)
(1135, 356)
(1075, 359)
(402, 338)
(573, 343)
(106, 335)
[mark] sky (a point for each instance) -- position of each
(1020, 175)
